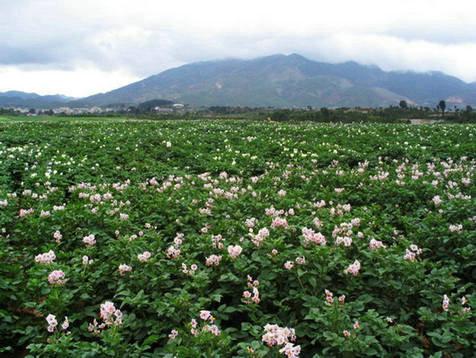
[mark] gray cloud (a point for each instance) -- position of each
(140, 38)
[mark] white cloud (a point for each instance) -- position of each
(79, 82)
(99, 44)
(395, 53)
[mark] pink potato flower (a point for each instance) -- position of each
(89, 240)
(234, 251)
(111, 315)
(353, 269)
(144, 257)
(123, 269)
(213, 260)
(45, 258)
(57, 278)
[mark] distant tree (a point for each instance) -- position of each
(281, 115)
(403, 104)
(149, 106)
(132, 109)
(325, 112)
(442, 107)
(469, 109)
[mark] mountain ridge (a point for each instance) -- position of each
(290, 81)
(277, 81)
(32, 100)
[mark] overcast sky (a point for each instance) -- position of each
(81, 47)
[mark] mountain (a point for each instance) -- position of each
(287, 81)
(277, 81)
(32, 100)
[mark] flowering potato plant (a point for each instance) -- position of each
(129, 238)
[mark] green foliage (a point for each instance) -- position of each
(152, 172)
(442, 106)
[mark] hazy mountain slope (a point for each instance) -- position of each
(31, 100)
(287, 81)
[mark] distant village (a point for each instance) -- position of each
(96, 110)
(158, 108)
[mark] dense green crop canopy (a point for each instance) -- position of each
(223, 238)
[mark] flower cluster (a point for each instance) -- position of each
(124, 269)
(57, 236)
(412, 253)
(25, 212)
(86, 260)
(252, 294)
(446, 303)
(353, 268)
(330, 298)
(89, 240)
(45, 258)
(456, 228)
(110, 316)
(279, 222)
(174, 251)
(144, 257)
(234, 251)
(437, 200)
(53, 323)
(343, 241)
(213, 260)
(217, 241)
(173, 334)
(281, 336)
(376, 244)
(260, 236)
(464, 302)
(208, 324)
(355, 326)
(57, 278)
(288, 265)
(310, 236)
(189, 271)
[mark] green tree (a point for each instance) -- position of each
(403, 104)
(325, 113)
(281, 115)
(469, 109)
(442, 106)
